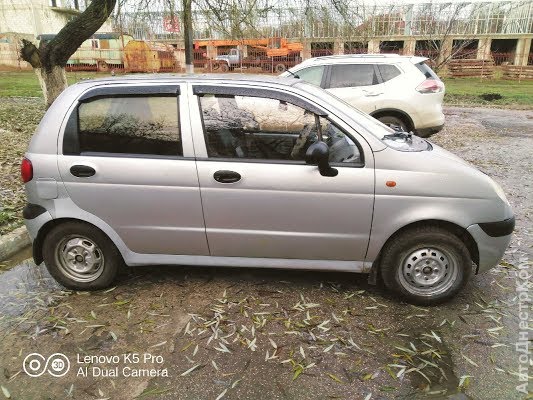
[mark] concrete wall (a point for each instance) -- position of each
(28, 19)
(35, 17)
(483, 50)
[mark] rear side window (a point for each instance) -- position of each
(130, 125)
(388, 72)
(351, 75)
(312, 75)
(426, 70)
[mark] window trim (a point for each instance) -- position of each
(201, 90)
(126, 91)
(275, 161)
(71, 145)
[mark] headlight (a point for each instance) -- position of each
(499, 191)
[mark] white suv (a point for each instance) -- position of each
(397, 90)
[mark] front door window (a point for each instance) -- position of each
(246, 127)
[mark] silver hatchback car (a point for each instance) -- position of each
(251, 171)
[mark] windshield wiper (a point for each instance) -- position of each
(399, 134)
(293, 74)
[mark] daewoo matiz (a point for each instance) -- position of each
(251, 172)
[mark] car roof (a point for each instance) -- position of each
(362, 58)
(204, 78)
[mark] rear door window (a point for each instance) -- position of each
(388, 72)
(353, 75)
(130, 125)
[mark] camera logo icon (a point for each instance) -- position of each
(36, 364)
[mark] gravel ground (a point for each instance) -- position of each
(262, 334)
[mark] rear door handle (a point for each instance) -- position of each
(371, 94)
(224, 176)
(82, 171)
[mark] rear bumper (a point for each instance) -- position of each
(37, 218)
(492, 240)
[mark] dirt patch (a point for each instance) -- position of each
(18, 119)
(235, 333)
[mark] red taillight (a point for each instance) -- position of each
(26, 170)
(430, 86)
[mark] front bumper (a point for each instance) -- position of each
(492, 240)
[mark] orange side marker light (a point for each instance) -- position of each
(390, 183)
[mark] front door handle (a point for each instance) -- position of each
(82, 171)
(225, 176)
(371, 94)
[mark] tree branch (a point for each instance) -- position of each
(74, 33)
(30, 53)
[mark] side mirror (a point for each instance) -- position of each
(318, 154)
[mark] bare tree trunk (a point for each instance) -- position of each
(187, 36)
(52, 83)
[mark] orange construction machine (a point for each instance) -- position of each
(270, 54)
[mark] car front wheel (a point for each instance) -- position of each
(80, 256)
(426, 265)
(391, 121)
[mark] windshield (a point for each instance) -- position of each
(384, 133)
(371, 124)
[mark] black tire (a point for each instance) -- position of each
(224, 68)
(110, 258)
(102, 66)
(390, 120)
(280, 68)
(432, 244)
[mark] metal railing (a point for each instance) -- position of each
(341, 19)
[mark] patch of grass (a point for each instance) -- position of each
(26, 84)
(473, 90)
(458, 90)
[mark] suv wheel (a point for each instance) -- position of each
(426, 265)
(80, 256)
(390, 120)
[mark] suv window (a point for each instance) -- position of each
(248, 127)
(352, 75)
(426, 70)
(131, 125)
(388, 72)
(312, 74)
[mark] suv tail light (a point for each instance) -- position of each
(26, 170)
(430, 86)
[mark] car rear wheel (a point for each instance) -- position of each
(80, 256)
(391, 120)
(426, 265)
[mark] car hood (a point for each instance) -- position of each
(436, 172)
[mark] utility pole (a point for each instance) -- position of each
(187, 36)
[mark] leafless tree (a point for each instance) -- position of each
(50, 58)
(438, 24)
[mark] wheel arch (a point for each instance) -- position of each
(394, 112)
(47, 227)
(451, 227)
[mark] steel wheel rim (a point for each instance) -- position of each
(428, 271)
(79, 258)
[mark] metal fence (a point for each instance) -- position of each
(346, 19)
